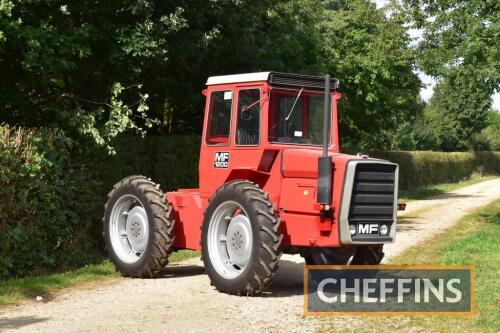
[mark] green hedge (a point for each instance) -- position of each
(171, 161)
(44, 199)
(423, 168)
(53, 191)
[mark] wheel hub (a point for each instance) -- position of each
(238, 238)
(128, 228)
(230, 239)
(136, 228)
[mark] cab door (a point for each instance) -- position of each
(216, 144)
(247, 136)
(232, 135)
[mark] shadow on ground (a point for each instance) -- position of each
(178, 271)
(288, 280)
(408, 223)
(432, 194)
(18, 322)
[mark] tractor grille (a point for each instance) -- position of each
(372, 198)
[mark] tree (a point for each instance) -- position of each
(369, 51)
(489, 137)
(457, 33)
(459, 46)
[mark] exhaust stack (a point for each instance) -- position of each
(325, 165)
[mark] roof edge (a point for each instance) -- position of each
(236, 78)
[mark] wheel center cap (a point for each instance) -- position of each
(137, 228)
(239, 239)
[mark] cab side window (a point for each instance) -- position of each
(219, 117)
(248, 121)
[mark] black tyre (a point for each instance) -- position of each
(328, 255)
(360, 255)
(240, 239)
(138, 228)
(368, 255)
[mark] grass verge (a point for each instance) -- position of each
(14, 291)
(427, 192)
(473, 240)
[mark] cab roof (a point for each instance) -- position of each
(276, 79)
(238, 78)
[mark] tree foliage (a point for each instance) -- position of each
(458, 34)
(489, 137)
(457, 112)
(370, 52)
(64, 61)
(459, 47)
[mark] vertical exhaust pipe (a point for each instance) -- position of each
(325, 166)
(326, 117)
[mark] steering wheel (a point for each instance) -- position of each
(248, 114)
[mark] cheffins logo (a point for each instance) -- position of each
(221, 160)
(389, 290)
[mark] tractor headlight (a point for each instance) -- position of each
(352, 229)
(384, 230)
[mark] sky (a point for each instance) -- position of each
(429, 82)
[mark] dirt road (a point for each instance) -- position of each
(182, 300)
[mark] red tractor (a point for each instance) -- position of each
(271, 180)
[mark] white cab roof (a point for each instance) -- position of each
(236, 78)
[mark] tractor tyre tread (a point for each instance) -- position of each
(265, 221)
(161, 224)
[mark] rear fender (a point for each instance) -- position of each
(258, 177)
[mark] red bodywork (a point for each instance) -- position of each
(288, 172)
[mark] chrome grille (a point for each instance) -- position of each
(372, 199)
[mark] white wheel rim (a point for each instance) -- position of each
(128, 228)
(230, 239)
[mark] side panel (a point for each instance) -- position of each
(306, 230)
(300, 163)
(302, 224)
(298, 195)
(188, 214)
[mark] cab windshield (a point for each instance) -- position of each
(296, 117)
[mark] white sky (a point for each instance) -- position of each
(428, 81)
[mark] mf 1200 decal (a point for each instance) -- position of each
(221, 160)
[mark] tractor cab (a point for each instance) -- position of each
(251, 118)
(290, 105)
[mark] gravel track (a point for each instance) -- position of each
(182, 300)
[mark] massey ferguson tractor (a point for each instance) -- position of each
(272, 180)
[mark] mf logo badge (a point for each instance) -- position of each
(367, 228)
(221, 160)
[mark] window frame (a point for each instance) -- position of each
(207, 129)
(260, 117)
(291, 143)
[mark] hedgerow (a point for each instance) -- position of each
(43, 194)
(423, 168)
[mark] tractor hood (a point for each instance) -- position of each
(303, 162)
(364, 191)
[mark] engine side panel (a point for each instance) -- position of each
(188, 214)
